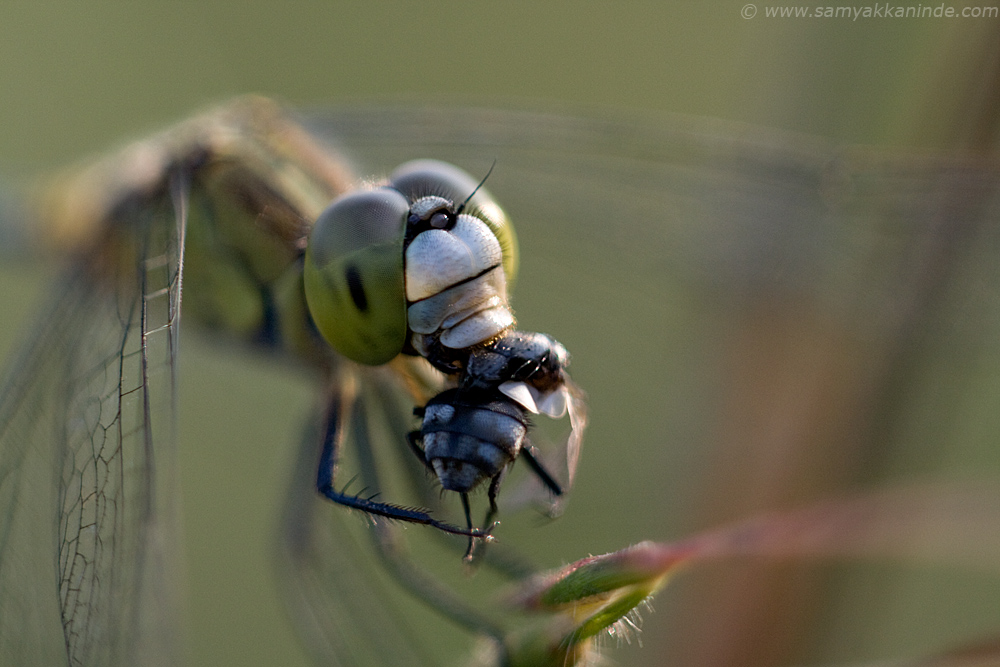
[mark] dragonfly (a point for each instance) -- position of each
(705, 208)
(413, 276)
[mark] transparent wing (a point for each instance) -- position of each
(87, 416)
(360, 588)
(86, 461)
(649, 242)
(696, 213)
(341, 604)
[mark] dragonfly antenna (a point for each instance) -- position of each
(473, 193)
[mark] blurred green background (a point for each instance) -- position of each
(77, 78)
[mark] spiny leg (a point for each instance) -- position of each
(333, 436)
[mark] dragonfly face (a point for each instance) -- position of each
(368, 249)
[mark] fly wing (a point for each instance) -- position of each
(86, 457)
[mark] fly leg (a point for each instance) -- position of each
(468, 522)
(491, 513)
(491, 494)
(531, 455)
(413, 438)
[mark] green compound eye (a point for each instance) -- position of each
(354, 269)
(354, 275)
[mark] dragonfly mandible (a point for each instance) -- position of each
(397, 295)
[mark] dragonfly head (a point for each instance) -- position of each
(399, 260)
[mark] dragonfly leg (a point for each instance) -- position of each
(531, 455)
(332, 439)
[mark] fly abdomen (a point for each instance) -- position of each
(471, 436)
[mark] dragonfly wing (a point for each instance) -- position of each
(357, 588)
(86, 457)
(87, 418)
(343, 606)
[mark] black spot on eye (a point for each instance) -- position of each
(356, 289)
